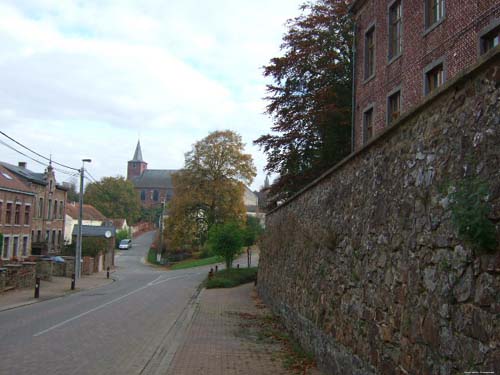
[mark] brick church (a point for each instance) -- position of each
(153, 185)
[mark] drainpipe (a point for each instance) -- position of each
(353, 62)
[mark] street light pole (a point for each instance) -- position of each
(78, 253)
(161, 230)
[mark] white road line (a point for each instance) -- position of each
(152, 283)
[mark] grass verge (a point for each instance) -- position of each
(152, 257)
(232, 277)
(196, 263)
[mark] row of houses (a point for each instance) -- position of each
(35, 217)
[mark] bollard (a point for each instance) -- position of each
(107, 273)
(211, 273)
(216, 268)
(37, 287)
(72, 281)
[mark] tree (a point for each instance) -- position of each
(310, 97)
(72, 194)
(209, 190)
(252, 231)
(226, 241)
(115, 197)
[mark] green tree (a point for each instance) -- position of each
(310, 97)
(115, 197)
(226, 241)
(121, 235)
(209, 190)
(252, 231)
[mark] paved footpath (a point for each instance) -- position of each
(58, 287)
(215, 344)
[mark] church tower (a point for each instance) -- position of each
(136, 166)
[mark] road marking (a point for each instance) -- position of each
(156, 281)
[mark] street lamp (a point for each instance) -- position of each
(78, 253)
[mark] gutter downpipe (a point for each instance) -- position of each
(353, 125)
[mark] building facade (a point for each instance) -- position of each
(406, 49)
(48, 211)
(91, 217)
(16, 210)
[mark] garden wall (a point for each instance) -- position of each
(365, 265)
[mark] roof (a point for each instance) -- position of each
(10, 181)
(94, 231)
(155, 178)
(89, 212)
(38, 178)
(138, 153)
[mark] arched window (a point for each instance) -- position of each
(143, 195)
(156, 195)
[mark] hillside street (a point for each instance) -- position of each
(115, 329)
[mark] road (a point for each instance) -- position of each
(130, 326)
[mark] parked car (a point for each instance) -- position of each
(125, 244)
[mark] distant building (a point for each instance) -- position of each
(405, 50)
(48, 212)
(16, 210)
(91, 217)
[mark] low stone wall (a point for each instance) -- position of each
(88, 266)
(44, 269)
(365, 266)
(19, 275)
(3, 276)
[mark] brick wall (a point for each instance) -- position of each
(455, 40)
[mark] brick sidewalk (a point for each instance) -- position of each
(59, 286)
(216, 344)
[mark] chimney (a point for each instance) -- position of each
(22, 164)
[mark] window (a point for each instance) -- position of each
(6, 247)
(8, 214)
(490, 39)
(368, 125)
(394, 107)
(61, 210)
(39, 236)
(434, 12)
(17, 214)
(25, 246)
(53, 237)
(40, 208)
(55, 210)
(15, 246)
(143, 195)
(1, 212)
(370, 53)
(59, 237)
(395, 29)
(27, 211)
(434, 78)
(47, 235)
(156, 195)
(50, 185)
(49, 209)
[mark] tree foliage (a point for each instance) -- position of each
(226, 241)
(252, 230)
(310, 97)
(115, 197)
(209, 190)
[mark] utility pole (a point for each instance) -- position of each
(158, 256)
(78, 252)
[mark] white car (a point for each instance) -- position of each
(125, 244)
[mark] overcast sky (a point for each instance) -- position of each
(86, 79)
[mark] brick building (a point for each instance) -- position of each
(406, 49)
(152, 185)
(16, 207)
(47, 216)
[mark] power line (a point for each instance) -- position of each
(36, 153)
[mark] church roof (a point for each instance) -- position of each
(138, 152)
(155, 178)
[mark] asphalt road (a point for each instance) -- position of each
(131, 326)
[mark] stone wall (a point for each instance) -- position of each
(365, 265)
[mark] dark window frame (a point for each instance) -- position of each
(368, 111)
(8, 213)
(392, 94)
(27, 214)
(392, 27)
(441, 62)
(430, 24)
(369, 69)
(492, 29)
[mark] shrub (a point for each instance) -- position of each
(226, 241)
(232, 277)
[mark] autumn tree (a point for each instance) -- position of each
(115, 197)
(309, 98)
(209, 190)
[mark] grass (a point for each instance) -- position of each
(152, 256)
(232, 277)
(196, 263)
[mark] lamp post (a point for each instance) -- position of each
(160, 250)
(78, 253)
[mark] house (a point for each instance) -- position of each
(16, 209)
(120, 224)
(47, 216)
(405, 50)
(91, 217)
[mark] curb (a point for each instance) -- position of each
(44, 299)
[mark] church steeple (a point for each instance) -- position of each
(137, 165)
(138, 152)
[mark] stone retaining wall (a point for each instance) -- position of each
(365, 266)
